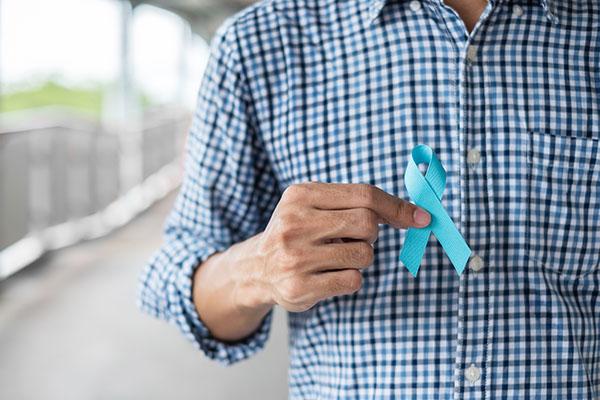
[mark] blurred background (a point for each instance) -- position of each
(96, 98)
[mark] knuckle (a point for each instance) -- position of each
(403, 211)
(362, 254)
(294, 192)
(367, 192)
(286, 238)
(302, 215)
(369, 223)
(291, 226)
(355, 280)
(373, 234)
(368, 254)
(289, 219)
(371, 217)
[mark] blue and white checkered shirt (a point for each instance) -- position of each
(341, 91)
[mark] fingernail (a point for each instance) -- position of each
(421, 217)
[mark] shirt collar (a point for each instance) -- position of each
(375, 7)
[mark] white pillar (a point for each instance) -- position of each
(128, 114)
(186, 38)
(126, 85)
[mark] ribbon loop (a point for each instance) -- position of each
(426, 191)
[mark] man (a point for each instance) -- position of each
(294, 195)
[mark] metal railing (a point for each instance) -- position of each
(61, 180)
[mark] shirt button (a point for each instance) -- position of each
(472, 374)
(475, 263)
(517, 10)
(415, 5)
(472, 53)
(473, 156)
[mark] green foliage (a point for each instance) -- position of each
(87, 101)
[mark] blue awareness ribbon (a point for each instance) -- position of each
(426, 192)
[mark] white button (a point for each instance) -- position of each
(415, 5)
(517, 10)
(473, 156)
(472, 374)
(476, 263)
(472, 53)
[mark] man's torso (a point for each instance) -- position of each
(343, 90)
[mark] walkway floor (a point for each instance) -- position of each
(69, 329)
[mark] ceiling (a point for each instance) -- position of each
(204, 16)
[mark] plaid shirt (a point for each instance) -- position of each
(341, 91)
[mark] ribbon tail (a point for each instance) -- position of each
(412, 252)
(455, 246)
(447, 234)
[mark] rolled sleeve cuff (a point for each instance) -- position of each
(189, 322)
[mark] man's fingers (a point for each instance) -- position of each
(335, 283)
(355, 223)
(402, 214)
(331, 196)
(342, 255)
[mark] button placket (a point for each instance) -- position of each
(471, 351)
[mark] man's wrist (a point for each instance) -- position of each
(251, 292)
(228, 293)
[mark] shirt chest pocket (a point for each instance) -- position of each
(563, 221)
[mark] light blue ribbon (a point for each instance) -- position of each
(426, 191)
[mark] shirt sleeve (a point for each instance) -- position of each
(227, 195)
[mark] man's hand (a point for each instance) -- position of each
(317, 241)
(321, 235)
